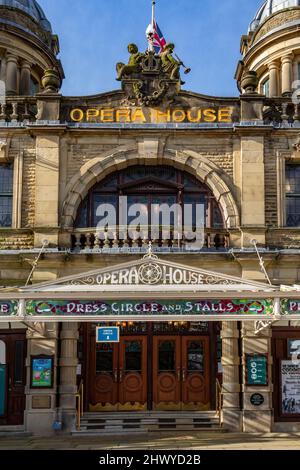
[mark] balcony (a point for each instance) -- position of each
(89, 241)
(18, 109)
(281, 112)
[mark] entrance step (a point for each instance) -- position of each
(147, 422)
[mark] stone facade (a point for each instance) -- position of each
(58, 160)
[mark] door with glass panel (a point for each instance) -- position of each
(118, 375)
(195, 373)
(181, 375)
(133, 373)
(166, 372)
(12, 378)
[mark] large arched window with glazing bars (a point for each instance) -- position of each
(147, 191)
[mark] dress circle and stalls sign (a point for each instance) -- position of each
(133, 308)
(8, 308)
(290, 306)
(290, 387)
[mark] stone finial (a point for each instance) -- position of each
(51, 80)
(249, 82)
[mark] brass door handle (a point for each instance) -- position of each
(183, 375)
(121, 376)
(115, 375)
(178, 375)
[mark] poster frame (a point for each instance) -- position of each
(36, 358)
(285, 416)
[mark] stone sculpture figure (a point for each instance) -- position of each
(133, 65)
(169, 64)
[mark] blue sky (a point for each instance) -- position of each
(94, 35)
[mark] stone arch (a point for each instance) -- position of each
(197, 165)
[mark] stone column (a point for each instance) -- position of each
(231, 382)
(11, 74)
(68, 368)
(257, 418)
(25, 78)
(273, 73)
(286, 73)
(41, 404)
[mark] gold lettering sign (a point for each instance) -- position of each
(156, 116)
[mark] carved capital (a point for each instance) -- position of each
(4, 148)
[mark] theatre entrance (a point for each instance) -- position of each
(155, 366)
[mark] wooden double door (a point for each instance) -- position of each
(12, 378)
(159, 373)
(181, 373)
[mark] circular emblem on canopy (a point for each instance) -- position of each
(150, 273)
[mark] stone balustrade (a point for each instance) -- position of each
(18, 109)
(281, 111)
(89, 240)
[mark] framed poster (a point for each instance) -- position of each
(42, 368)
(290, 388)
(257, 369)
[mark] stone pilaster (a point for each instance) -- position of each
(257, 418)
(25, 78)
(47, 189)
(11, 74)
(68, 367)
(253, 189)
(286, 74)
(41, 404)
(231, 378)
(274, 75)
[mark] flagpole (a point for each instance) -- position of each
(153, 12)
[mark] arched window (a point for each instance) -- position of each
(150, 186)
(6, 194)
(2, 352)
(265, 87)
(34, 86)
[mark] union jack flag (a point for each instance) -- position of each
(156, 38)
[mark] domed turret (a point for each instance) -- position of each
(269, 8)
(31, 8)
(27, 46)
(272, 47)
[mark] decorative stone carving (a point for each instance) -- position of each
(149, 79)
(4, 147)
(296, 146)
(133, 64)
(275, 21)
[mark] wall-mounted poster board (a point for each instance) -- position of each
(256, 369)
(290, 388)
(42, 368)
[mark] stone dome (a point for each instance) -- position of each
(268, 8)
(31, 8)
